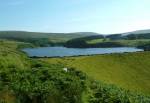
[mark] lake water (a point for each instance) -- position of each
(63, 51)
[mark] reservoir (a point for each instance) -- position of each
(63, 51)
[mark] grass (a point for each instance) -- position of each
(10, 57)
(129, 70)
(94, 41)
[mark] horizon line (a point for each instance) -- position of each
(71, 32)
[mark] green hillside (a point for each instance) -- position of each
(114, 40)
(53, 37)
(135, 39)
(78, 39)
(23, 80)
(10, 57)
(128, 70)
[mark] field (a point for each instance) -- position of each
(94, 41)
(129, 70)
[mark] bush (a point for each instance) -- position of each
(38, 84)
(104, 93)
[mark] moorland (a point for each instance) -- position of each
(107, 78)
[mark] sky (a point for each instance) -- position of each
(101, 16)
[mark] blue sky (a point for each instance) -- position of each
(101, 16)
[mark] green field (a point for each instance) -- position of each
(129, 70)
(94, 41)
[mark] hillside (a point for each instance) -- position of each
(138, 38)
(25, 34)
(129, 70)
(78, 39)
(146, 31)
(9, 54)
(138, 34)
(23, 80)
(41, 39)
(54, 37)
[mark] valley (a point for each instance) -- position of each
(74, 51)
(114, 77)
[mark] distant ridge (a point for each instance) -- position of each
(37, 36)
(138, 32)
(67, 36)
(88, 33)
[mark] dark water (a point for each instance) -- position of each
(63, 51)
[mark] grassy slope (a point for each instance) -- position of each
(10, 57)
(129, 70)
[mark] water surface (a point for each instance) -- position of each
(63, 51)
